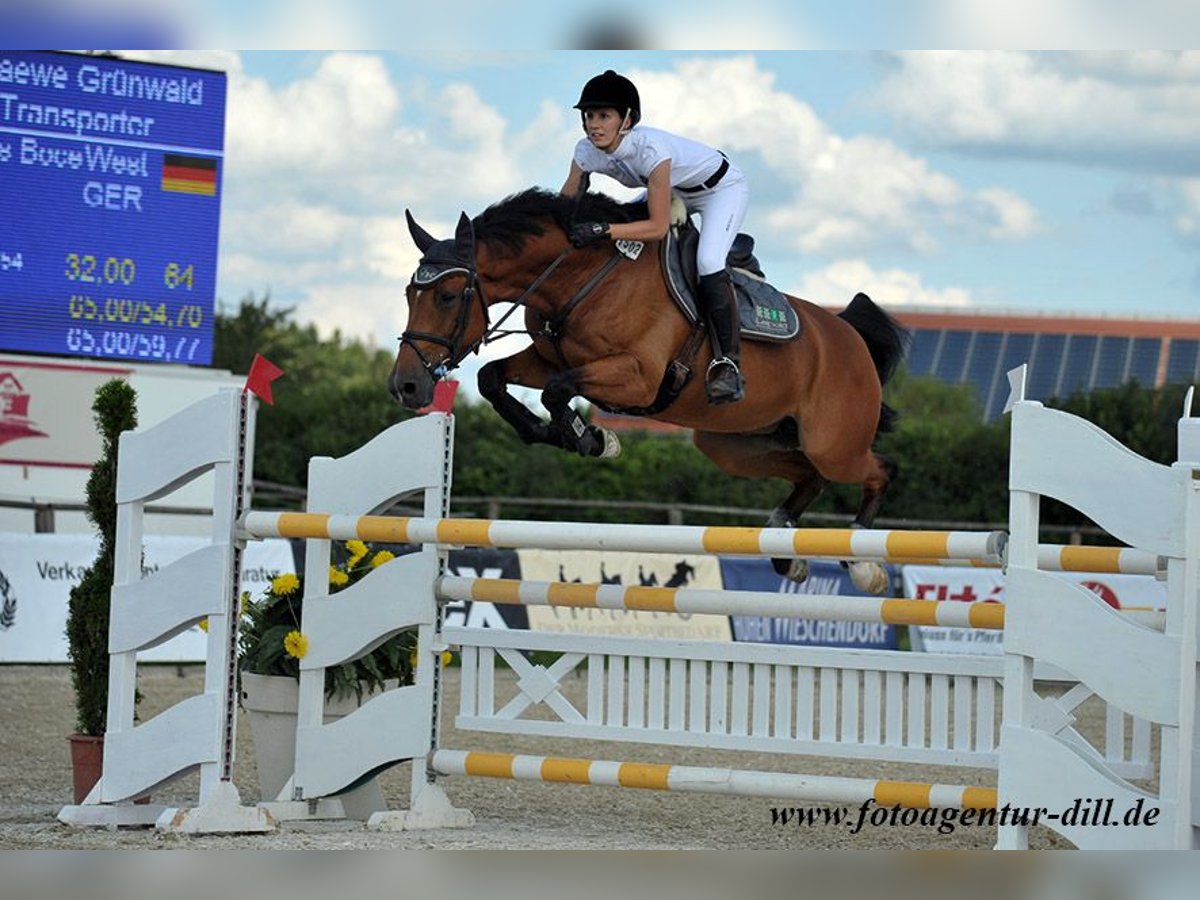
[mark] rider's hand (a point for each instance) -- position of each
(583, 233)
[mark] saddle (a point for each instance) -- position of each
(765, 312)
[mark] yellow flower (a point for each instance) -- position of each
(296, 644)
(447, 658)
(381, 557)
(282, 585)
(337, 577)
(204, 625)
(357, 551)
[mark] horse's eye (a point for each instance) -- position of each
(446, 298)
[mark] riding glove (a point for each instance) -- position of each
(584, 233)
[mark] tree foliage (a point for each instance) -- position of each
(953, 466)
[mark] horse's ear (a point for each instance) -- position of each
(422, 238)
(464, 237)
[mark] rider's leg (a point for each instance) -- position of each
(721, 213)
(723, 382)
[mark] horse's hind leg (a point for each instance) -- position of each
(867, 575)
(873, 489)
(804, 491)
(769, 456)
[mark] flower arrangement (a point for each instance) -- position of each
(272, 643)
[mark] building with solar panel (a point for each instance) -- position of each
(1065, 354)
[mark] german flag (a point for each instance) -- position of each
(189, 174)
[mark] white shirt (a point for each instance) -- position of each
(643, 150)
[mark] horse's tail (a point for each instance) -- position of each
(886, 339)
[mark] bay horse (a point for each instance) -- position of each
(604, 328)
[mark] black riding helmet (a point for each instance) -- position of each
(611, 89)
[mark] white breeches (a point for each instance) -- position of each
(721, 213)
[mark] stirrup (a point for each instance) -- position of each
(723, 382)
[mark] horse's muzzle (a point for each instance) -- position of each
(413, 390)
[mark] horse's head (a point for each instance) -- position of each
(446, 313)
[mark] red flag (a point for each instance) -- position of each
(262, 373)
(443, 398)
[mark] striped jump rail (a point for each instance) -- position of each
(947, 548)
(745, 603)
(696, 779)
(932, 547)
(1104, 560)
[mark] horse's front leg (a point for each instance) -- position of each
(615, 380)
(529, 370)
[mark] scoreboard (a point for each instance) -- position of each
(110, 188)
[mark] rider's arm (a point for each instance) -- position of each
(658, 199)
(574, 180)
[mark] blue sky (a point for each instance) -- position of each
(974, 180)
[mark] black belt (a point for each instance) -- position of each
(711, 181)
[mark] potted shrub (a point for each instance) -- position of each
(271, 645)
(115, 410)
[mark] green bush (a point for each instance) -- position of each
(115, 409)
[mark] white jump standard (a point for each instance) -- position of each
(959, 710)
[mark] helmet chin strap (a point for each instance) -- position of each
(626, 124)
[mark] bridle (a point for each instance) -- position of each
(427, 276)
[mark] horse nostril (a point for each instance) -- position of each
(408, 388)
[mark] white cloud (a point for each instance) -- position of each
(1135, 111)
(1186, 210)
(838, 282)
(850, 194)
(320, 169)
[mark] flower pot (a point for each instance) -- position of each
(87, 762)
(271, 703)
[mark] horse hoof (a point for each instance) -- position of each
(870, 577)
(612, 445)
(792, 569)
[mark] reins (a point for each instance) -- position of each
(552, 328)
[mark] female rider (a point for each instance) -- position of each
(659, 161)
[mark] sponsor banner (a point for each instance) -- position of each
(648, 569)
(485, 562)
(1125, 592)
(824, 578)
(37, 572)
(963, 584)
(46, 412)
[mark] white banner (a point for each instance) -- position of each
(37, 572)
(1125, 592)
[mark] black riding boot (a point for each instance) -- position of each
(723, 383)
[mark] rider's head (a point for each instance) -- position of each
(611, 91)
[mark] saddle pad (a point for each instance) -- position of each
(764, 311)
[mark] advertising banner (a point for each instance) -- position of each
(485, 562)
(647, 569)
(824, 578)
(37, 572)
(1125, 592)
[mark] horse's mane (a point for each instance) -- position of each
(504, 226)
